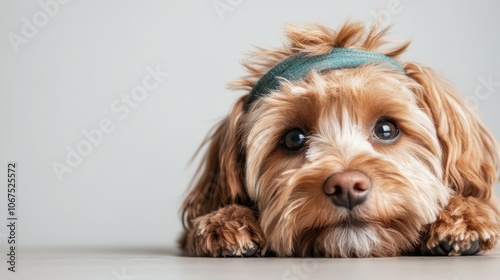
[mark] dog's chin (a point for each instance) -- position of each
(340, 240)
(352, 238)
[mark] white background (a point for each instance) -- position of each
(129, 188)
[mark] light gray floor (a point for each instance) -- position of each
(167, 263)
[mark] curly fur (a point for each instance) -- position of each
(432, 185)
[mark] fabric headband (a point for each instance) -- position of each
(297, 66)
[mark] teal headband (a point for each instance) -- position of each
(297, 66)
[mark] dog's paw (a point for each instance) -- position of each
(465, 227)
(445, 249)
(231, 231)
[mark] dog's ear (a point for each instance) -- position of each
(470, 152)
(219, 180)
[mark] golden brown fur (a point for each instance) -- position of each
(430, 187)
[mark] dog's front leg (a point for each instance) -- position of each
(466, 226)
(231, 231)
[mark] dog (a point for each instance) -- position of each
(339, 149)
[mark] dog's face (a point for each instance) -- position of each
(363, 126)
(349, 162)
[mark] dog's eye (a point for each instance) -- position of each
(293, 140)
(386, 130)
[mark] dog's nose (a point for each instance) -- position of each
(348, 188)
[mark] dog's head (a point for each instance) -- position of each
(347, 162)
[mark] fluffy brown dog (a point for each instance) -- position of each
(353, 162)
